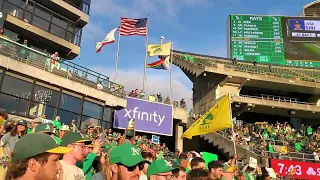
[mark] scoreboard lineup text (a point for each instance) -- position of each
(260, 38)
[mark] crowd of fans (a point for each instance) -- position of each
(156, 98)
(93, 153)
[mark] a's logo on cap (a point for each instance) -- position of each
(168, 163)
(135, 151)
(47, 127)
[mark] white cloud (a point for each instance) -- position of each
(158, 82)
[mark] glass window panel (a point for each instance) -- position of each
(16, 87)
(19, 3)
(43, 13)
(66, 117)
(59, 22)
(58, 31)
(13, 10)
(45, 95)
(13, 104)
(27, 17)
(70, 103)
(30, 6)
(92, 109)
(40, 23)
(107, 114)
(38, 109)
(86, 120)
(106, 125)
(70, 37)
(71, 27)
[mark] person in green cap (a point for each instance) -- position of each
(35, 156)
(126, 162)
(77, 142)
(34, 124)
(47, 128)
(161, 168)
(10, 138)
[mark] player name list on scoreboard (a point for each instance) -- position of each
(256, 38)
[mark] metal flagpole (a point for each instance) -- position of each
(117, 56)
(171, 71)
(233, 134)
(146, 58)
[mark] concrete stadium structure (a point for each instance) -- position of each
(257, 94)
(31, 85)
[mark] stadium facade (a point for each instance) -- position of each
(34, 83)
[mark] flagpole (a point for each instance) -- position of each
(117, 56)
(146, 58)
(232, 128)
(171, 71)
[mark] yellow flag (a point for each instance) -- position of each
(159, 49)
(216, 119)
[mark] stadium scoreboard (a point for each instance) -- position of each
(279, 40)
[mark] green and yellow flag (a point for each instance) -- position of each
(159, 49)
(216, 119)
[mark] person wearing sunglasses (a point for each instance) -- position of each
(126, 162)
(77, 142)
(161, 170)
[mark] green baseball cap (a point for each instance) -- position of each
(74, 137)
(44, 128)
(126, 154)
(160, 166)
(22, 122)
(34, 144)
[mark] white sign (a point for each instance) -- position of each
(253, 162)
(271, 172)
(46, 121)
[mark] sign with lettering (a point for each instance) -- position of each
(155, 139)
(150, 117)
(278, 40)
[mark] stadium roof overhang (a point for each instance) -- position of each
(312, 9)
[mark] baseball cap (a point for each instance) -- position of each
(64, 128)
(34, 144)
(22, 122)
(160, 166)
(44, 128)
(126, 154)
(74, 137)
(37, 120)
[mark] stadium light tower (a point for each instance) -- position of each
(161, 40)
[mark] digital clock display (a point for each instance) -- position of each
(297, 169)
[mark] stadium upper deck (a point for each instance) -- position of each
(312, 9)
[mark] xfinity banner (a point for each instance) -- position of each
(150, 117)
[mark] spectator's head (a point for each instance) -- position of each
(1, 31)
(198, 163)
(147, 156)
(58, 118)
(90, 130)
(77, 142)
(44, 128)
(126, 162)
(215, 169)
(161, 169)
(25, 41)
(3, 116)
(64, 128)
(198, 174)
(183, 159)
(36, 122)
(20, 128)
(35, 156)
(73, 121)
(109, 131)
(180, 175)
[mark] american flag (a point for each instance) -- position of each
(130, 27)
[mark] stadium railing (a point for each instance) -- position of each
(65, 69)
(292, 73)
(164, 101)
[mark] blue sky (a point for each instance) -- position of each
(193, 25)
